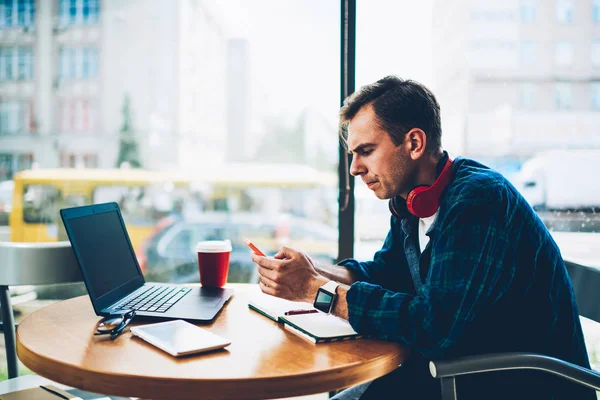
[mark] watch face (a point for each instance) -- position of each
(323, 301)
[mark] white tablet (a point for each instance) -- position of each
(179, 337)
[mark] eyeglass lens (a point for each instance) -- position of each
(110, 323)
(115, 324)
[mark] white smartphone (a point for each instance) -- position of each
(179, 338)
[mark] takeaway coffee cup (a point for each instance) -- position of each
(213, 262)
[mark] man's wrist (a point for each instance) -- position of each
(316, 283)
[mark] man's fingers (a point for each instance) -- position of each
(267, 273)
(266, 262)
(266, 289)
(285, 253)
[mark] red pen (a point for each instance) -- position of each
(298, 312)
(254, 248)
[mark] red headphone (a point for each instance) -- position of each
(423, 201)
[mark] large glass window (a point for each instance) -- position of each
(222, 102)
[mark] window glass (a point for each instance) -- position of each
(528, 10)
(564, 95)
(564, 53)
(232, 102)
(564, 11)
(595, 95)
(595, 53)
(507, 106)
(527, 52)
(41, 204)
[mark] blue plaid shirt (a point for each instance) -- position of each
(491, 279)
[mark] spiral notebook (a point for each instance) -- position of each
(315, 327)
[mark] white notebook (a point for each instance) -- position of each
(316, 327)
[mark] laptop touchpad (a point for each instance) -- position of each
(209, 301)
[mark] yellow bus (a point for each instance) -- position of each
(39, 194)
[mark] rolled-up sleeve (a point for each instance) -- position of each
(466, 272)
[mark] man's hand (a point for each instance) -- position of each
(291, 275)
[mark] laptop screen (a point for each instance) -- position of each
(104, 251)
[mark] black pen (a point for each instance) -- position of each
(298, 312)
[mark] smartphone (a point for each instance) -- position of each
(254, 248)
(179, 338)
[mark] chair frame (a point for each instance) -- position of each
(448, 370)
(31, 264)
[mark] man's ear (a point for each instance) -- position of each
(418, 142)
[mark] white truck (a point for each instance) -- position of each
(561, 180)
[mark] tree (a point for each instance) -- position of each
(128, 146)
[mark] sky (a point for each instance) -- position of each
(294, 46)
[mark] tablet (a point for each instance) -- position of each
(179, 337)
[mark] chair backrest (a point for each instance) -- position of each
(38, 263)
(31, 264)
(586, 283)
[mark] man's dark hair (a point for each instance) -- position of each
(400, 105)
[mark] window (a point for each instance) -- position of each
(76, 115)
(564, 53)
(14, 117)
(17, 13)
(596, 11)
(595, 53)
(78, 63)
(527, 11)
(595, 95)
(528, 94)
(527, 52)
(78, 12)
(564, 95)
(25, 67)
(564, 11)
(16, 63)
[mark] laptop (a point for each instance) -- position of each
(113, 277)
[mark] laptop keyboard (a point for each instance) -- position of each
(155, 299)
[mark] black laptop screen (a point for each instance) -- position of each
(104, 251)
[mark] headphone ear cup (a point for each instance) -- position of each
(398, 207)
(422, 201)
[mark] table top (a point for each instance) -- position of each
(263, 360)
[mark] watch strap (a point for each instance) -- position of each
(331, 287)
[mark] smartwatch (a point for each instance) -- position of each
(326, 296)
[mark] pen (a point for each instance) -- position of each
(298, 312)
(254, 248)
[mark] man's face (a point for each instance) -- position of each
(387, 169)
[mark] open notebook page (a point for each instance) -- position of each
(274, 307)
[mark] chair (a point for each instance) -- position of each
(31, 264)
(585, 282)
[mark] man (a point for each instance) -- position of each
(467, 266)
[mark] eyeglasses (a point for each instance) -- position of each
(114, 324)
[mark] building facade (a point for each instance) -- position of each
(67, 66)
(515, 77)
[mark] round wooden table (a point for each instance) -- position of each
(263, 361)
